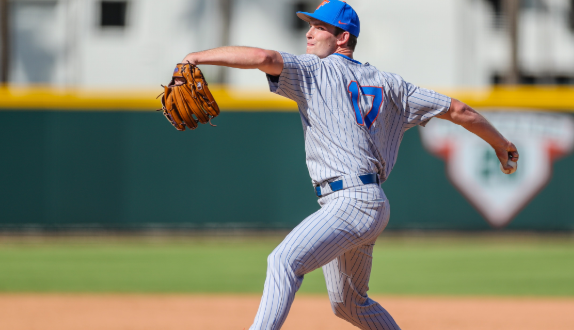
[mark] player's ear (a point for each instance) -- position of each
(343, 38)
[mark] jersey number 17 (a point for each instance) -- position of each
(376, 92)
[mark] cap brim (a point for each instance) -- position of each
(309, 17)
(305, 16)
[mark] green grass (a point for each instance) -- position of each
(427, 266)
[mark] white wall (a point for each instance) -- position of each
(436, 43)
(158, 34)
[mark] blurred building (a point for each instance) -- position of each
(438, 43)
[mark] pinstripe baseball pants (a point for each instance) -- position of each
(340, 238)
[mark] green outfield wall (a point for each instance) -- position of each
(132, 170)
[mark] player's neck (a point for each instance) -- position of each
(345, 51)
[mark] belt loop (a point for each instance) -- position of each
(318, 191)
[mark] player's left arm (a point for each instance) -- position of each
(268, 61)
(465, 116)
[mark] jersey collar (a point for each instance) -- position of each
(347, 57)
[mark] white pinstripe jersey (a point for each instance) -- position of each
(354, 116)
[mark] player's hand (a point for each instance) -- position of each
(190, 58)
(187, 59)
(507, 153)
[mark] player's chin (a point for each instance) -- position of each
(312, 51)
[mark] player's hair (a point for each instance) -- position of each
(352, 39)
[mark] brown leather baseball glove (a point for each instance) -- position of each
(187, 100)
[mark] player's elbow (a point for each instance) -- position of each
(271, 62)
(460, 113)
(261, 57)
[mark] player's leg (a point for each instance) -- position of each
(340, 225)
(347, 278)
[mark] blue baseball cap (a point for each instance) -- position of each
(337, 13)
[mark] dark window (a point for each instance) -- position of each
(564, 80)
(498, 12)
(528, 79)
(305, 6)
(113, 13)
(496, 79)
(496, 6)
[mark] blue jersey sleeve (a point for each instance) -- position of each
(299, 78)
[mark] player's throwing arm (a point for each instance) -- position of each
(461, 114)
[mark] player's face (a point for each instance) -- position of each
(321, 39)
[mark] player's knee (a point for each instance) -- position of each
(341, 310)
(276, 259)
(280, 260)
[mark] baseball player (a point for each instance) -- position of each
(354, 117)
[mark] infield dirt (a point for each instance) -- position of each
(235, 312)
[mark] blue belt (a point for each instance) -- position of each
(338, 185)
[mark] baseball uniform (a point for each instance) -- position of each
(354, 117)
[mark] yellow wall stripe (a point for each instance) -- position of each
(524, 97)
(46, 98)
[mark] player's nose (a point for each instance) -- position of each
(309, 34)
